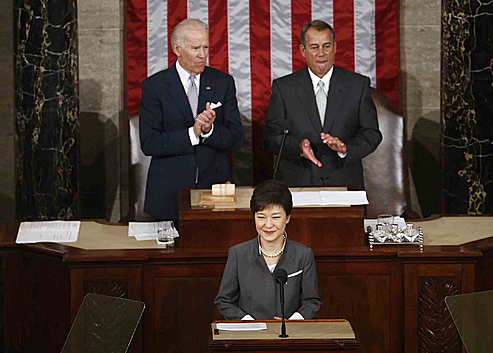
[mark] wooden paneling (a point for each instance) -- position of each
(37, 303)
(366, 294)
(180, 306)
(428, 325)
(384, 293)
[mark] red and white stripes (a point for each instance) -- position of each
(257, 41)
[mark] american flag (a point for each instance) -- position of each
(257, 41)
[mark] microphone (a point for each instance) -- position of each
(281, 277)
(284, 134)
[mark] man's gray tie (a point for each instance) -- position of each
(193, 99)
(193, 95)
(321, 100)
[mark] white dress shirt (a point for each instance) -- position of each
(184, 78)
(326, 81)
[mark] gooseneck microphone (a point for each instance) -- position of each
(281, 277)
(279, 156)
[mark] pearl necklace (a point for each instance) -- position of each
(273, 255)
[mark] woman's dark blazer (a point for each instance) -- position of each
(248, 287)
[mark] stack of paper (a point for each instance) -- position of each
(145, 230)
(252, 326)
(329, 198)
(48, 231)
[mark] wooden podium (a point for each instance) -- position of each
(222, 227)
(304, 336)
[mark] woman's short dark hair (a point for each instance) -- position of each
(271, 193)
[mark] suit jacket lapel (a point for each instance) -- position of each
(206, 90)
(259, 260)
(335, 99)
(307, 98)
(177, 93)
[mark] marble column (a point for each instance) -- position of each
(46, 109)
(7, 181)
(467, 106)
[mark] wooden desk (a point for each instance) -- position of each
(304, 336)
(316, 227)
(393, 296)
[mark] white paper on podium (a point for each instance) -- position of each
(143, 230)
(306, 198)
(343, 198)
(254, 326)
(328, 198)
(48, 231)
(146, 230)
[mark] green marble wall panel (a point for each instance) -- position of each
(46, 109)
(467, 106)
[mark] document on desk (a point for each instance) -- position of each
(329, 198)
(343, 198)
(48, 231)
(253, 326)
(147, 230)
(143, 230)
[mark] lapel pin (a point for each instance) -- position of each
(208, 88)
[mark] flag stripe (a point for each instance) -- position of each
(199, 9)
(344, 28)
(178, 11)
(364, 39)
(239, 53)
(387, 49)
(136, 50)
(157, 34)
(301, 14)
(260, 58)
(323, 10)
(218, 34)
(280, 19)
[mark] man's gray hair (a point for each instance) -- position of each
(319, 26)
(179, 30)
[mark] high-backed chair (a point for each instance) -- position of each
(385, 170)
(139, 165)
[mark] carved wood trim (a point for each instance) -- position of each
(110, 287)
(436, 329)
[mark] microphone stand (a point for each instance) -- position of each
(283, 324)
(281, 277)
(285, 133)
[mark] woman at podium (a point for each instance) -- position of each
(248, 289)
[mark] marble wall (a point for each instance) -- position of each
(467, 106)
(7, 181)
(420, 97)
(104, 128)
(47, 114)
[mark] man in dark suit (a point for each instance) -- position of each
(189, 119)
(329, 113)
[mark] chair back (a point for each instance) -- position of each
(385, 171)
(139, 166)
